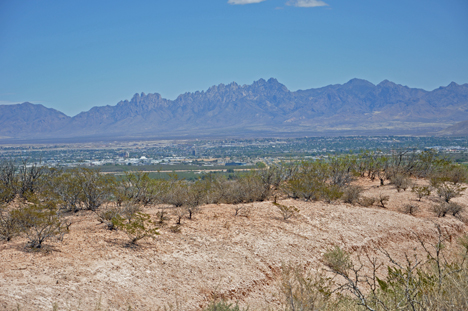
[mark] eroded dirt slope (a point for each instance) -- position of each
(216, 253)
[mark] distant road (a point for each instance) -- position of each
(178, 171)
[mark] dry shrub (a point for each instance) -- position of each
(9, 224)
(435, 281)
(330, 193)
(175, 229)
(352, 194)
(40, 222)
(410, 208)
(421, 192)
(223, 306)
(383, 199)
(456, 209)
(286, 211)
(140, 226)
(367, 201)
(448, 191)
(129, 209)
(162, 216)
(401, 182)
(440, 209)
(444, 208)
(302, 290)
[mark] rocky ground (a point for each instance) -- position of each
(216, 254)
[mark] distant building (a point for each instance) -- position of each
(234, 164)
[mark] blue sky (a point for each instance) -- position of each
(74, 54)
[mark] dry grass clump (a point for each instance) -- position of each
(367, 201)
(410, 208)
(383, 199)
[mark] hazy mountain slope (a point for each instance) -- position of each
(262, 107)
(458, 129)
(27, 119)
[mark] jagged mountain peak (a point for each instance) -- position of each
(265, 106)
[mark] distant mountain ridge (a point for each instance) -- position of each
(264, 107)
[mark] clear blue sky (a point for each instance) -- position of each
(74, 54)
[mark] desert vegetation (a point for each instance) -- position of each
(37, 204)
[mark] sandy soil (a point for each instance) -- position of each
(215, 254)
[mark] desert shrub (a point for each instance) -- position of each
(238, 208)
(352, 194)
(431, 282)
(275, 175)
(162, 216)
(448, 190)
(410, 208)
(455, 209)
(255, 188)
(303, 290)
(452, 173)
(180, 212)
(140, 226)
(139, 188)
(177, 193)
(383, 199)
(341, 170)
(308, 182)
(9, 225)
(401, 182)
(440, 209)
(65, 187)
(129, 209)
(367, 201)
(458, 174)
(337, 260)
(286, 211)
(422, 191)
(233, 192)
(40, 222)
(94, 187)
(330, 193)
(107, 214)
(8, 181)
(222, 306)
(29, 178)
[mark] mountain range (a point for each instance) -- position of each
(264, 108)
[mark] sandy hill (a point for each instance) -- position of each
(215, 254)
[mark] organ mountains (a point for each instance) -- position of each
(264, 108)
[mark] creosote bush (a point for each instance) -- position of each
(383, 199)
(400, 181)
(9, 224)
(422, 191)
(367, 201)
(434, 281)
(39, 221)
(448, 190)
(223, 306)
(138, 227)
(444, 208)
(352, 194)
(286, 211)
(410, 208)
